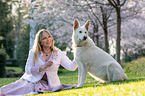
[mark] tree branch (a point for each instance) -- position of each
(94, 13)
(123, 3)
(112, 3)
(66, 21)
(110, 13)
(101, 3)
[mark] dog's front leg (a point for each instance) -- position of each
(79, 75)
(79, 70)
(82, 74)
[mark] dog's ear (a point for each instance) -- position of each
(76, 24)
(87, 25)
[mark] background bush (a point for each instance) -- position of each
(11, 62)
(135, 67)
(2, 62)
(23, 48)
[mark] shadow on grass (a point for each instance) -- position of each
(96, 84)
(132, 78)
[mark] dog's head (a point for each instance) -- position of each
(80, 33)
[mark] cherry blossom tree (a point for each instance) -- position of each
(57, 16)
(131, 10)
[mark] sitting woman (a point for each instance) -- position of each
(41, 68)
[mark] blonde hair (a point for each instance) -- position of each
(37, 45)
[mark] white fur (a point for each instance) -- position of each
(93, 60)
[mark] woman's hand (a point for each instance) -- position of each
(45, 66)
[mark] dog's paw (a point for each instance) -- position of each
(106, 82)
(79, 85)
(100, 82)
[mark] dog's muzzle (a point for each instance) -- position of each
(85, 37)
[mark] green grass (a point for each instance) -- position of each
(134, 86)
(5, 81)
(18, 69)
(136, 67)
(123, 89)
(131, 87)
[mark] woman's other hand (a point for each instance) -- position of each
(45, 66)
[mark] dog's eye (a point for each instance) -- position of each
(85, 32)
(80, 31)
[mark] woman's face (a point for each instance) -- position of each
(46, 40)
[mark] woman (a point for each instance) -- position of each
(41, 68)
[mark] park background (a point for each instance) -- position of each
(117, 26)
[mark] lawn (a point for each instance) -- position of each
(134, 86)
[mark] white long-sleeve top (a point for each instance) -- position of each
(32, 73)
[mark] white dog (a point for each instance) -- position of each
(99, 64)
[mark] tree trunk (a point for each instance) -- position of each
(96, 37)
(105, 28)
(106, 40)
(104, 15)
(33, 28)
(18, 31)
(118, 48)
(117, 6)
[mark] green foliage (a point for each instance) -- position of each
(23, 47)
(2, 62)
(2, 55)
(6, 21)
(5, 18)
(13, 61)
(130, 56)
(135, 67)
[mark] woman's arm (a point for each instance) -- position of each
(29, 63)
(67, 63)
(33, 69)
